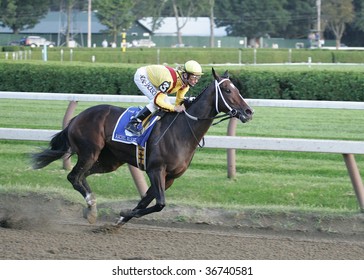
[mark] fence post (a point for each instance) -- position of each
(139, 179)
(231, 162)
(66, 119)
(355, 178)
(290, 56)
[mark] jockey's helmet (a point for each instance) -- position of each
(193, 67)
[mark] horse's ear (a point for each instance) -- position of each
(226, 74)
(216, 76)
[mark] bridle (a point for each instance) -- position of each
(232, 112)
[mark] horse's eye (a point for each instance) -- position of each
(227, 90)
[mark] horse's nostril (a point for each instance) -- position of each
(249, 112)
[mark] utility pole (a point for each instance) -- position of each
(89, 25)
(318, 5)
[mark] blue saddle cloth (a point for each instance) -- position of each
(121, 135)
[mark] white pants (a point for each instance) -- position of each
(147, 88)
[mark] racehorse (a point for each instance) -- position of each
(171, 144)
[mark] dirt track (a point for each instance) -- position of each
(41, 227)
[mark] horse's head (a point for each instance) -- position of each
(229, 99)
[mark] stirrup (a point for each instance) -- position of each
(132, 127)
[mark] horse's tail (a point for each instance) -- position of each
(58, 147)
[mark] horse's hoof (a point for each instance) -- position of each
(91, 214)
(120, 222)
(125, 213)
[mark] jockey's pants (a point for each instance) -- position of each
(147, 88)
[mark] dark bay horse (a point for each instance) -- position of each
(170, 147)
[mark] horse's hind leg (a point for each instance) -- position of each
(78, 180)
(106, 162)
(91, 212)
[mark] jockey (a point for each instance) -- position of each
(156, 82)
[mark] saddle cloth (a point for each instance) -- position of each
(121, 135)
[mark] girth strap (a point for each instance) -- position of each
(141, 161)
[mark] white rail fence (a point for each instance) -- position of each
(347, 148)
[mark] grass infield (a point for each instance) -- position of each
(265, 179)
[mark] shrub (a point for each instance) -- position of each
(305, 84)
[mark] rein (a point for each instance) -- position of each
(203, 139)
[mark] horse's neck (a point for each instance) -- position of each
(204, 106)
(204, 110)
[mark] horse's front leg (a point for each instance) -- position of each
(126, 215)
(157, 191)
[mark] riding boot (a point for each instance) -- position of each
(133, 125)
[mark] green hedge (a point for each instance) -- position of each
(302, 85)
(179, 55)
(285, 83)
(63, 78)
(13, 48)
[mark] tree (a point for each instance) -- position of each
(354, 31)
(359, 15)
(336, 14)
(303, 14)
(211, 6)
(185, 9)
(69, 7)
(252, 18)
(117, 15)
(19, 15)
(56, 5)
(70, 4)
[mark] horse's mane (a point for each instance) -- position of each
(192, 99)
